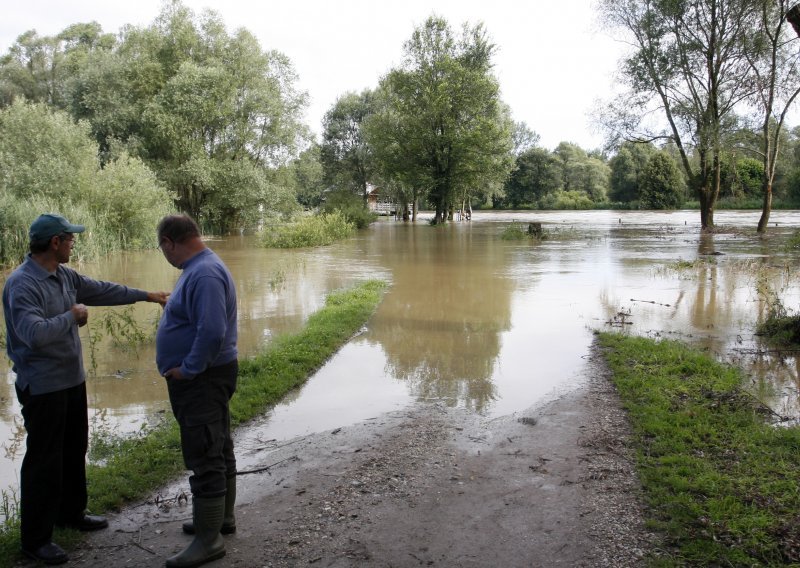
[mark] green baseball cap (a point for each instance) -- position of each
(49, 225)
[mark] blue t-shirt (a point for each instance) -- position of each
(198, 326)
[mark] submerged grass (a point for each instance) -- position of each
(137, 465)
(720, 480)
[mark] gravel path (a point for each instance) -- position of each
(428, 486)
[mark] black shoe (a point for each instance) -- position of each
(86, 523)
(49, 553)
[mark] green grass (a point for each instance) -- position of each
(513, 233)
(313, 231)
(133, 467)
(517, 232)
(780, 330)
(721, 482)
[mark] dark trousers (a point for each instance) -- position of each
(53, 473)
(201, 407)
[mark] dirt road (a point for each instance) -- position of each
(428, 486)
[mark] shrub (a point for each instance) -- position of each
(315, 230)
(513, 233)
(567, 200)
(351, 206)
(661, 186)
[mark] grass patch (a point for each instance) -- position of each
(513, 233)
(517, 232)
(313, 231)
(783, 330)
(134, 466)
(720, 480)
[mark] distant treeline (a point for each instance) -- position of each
(113, 130)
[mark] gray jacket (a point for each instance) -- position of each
(41, 333)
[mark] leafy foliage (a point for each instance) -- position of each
(310, 231)
(442, 127)
(661, 186)
(350, 206)
(49, 163)
(536, 174)
(304, 177)
(211, 113)
(567, 200)
(626, 170)
(347, 159)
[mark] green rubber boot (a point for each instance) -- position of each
(229, 522)
(207, 544)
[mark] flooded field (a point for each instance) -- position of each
(469, 319)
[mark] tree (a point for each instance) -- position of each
(580, 172)
(346, 157)
(211, 113)
(523, 138)
(688, 62)
(742, 177)
(305, 175)
(41, 69)
(536, 174)
(49, 163)
(661, 183)
(773, 65)
(626, 169)
(443, 127)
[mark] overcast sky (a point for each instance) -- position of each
(553, 60)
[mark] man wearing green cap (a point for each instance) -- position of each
(44, 304)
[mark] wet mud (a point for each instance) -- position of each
(426, 486)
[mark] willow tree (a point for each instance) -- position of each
(688, 65)
(776, 78)
(442, 127)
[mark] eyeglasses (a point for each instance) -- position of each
(68, 237)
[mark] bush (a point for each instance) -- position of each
(351, 206)
(316, 230)
(783, 331)
(567, 200)
(49, 164)
(661, 186)
(513, 233)
(517, 232)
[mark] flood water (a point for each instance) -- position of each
(469, 319)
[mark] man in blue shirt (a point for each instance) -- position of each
(196, 352)
(44, 304)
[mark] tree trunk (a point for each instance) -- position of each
(765, 209)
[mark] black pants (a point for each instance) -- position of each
(201, 408)
(53, 473)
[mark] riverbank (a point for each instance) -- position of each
(560, 484)
(429, 485)
(719, 468)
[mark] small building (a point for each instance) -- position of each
(378, 203)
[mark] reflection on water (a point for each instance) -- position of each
(469, 319)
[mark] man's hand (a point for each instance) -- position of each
(158, 297)
(80, 313)
(174, 373)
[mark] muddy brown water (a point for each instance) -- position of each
(469, 319)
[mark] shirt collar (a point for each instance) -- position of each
(189, 261)
(36, 269)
